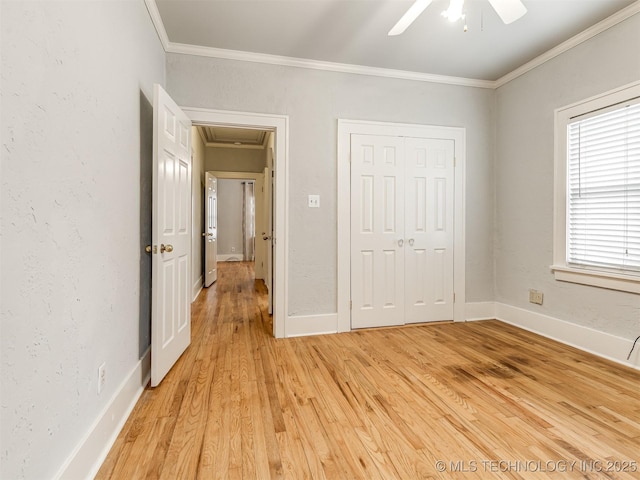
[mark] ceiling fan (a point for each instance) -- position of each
(508, 10)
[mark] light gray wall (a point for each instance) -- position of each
(230, 217)
(314, 101)
(223, 159)
(524, 179)
(75, 130)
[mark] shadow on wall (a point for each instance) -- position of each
(146, 199)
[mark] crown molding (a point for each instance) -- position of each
(208, 144)
(322, 65)
(172, 47)
(232, 145)
(156, 19)
(574, 41)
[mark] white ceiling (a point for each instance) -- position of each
(354, 32)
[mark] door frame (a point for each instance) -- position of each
(255, 176)
(345, 129)
(279, 124)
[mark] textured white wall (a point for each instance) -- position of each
(74, 78)
(524, 179)
(314, 101)
(197, 195)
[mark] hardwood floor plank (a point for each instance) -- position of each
(375, 404)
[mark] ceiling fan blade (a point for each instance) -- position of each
(508, 10)
(407, 19)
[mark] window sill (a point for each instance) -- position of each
(612, 281)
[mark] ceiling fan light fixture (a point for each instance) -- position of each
(454, 12)
(508, 10)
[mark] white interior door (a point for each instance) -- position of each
(377, 231)
(268, 235)
(211, 229)
(429, 214)
(402, 219)
(170, 285)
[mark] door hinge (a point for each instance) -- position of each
(454, 298)
(454, 162)
(350, 304)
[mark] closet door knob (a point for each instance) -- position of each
(400, 242)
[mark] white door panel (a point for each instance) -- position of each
(429, 229)
(377, 224)
(170, 290)
(211, 229)
(267, 236)
(402, 211)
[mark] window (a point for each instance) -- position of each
(597, 228)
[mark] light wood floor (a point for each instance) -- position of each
(486, 399)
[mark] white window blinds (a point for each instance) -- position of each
(603, 198)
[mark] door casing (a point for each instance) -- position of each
(280, 125)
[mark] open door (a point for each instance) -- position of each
(211, 229)
(171, 235)
(268, 235)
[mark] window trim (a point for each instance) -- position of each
(604, 278)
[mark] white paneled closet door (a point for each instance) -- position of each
(402, 218)
(429, 214)
(377, 229)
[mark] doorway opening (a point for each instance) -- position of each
(237, 222)
(247, 153)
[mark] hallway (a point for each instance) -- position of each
(231, 335)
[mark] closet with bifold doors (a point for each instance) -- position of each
(402, 230)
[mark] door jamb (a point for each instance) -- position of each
(280, 125)
(345, 129)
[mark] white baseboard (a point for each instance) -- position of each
(302, 325)
(298, 326)
(197, 287)
(226, 257)
(479, 311)
(87, 457)
(593, 341)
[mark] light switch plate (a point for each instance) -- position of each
(314, 201)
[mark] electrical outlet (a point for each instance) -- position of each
(102, 376)
(535, 297)
(233, 249)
